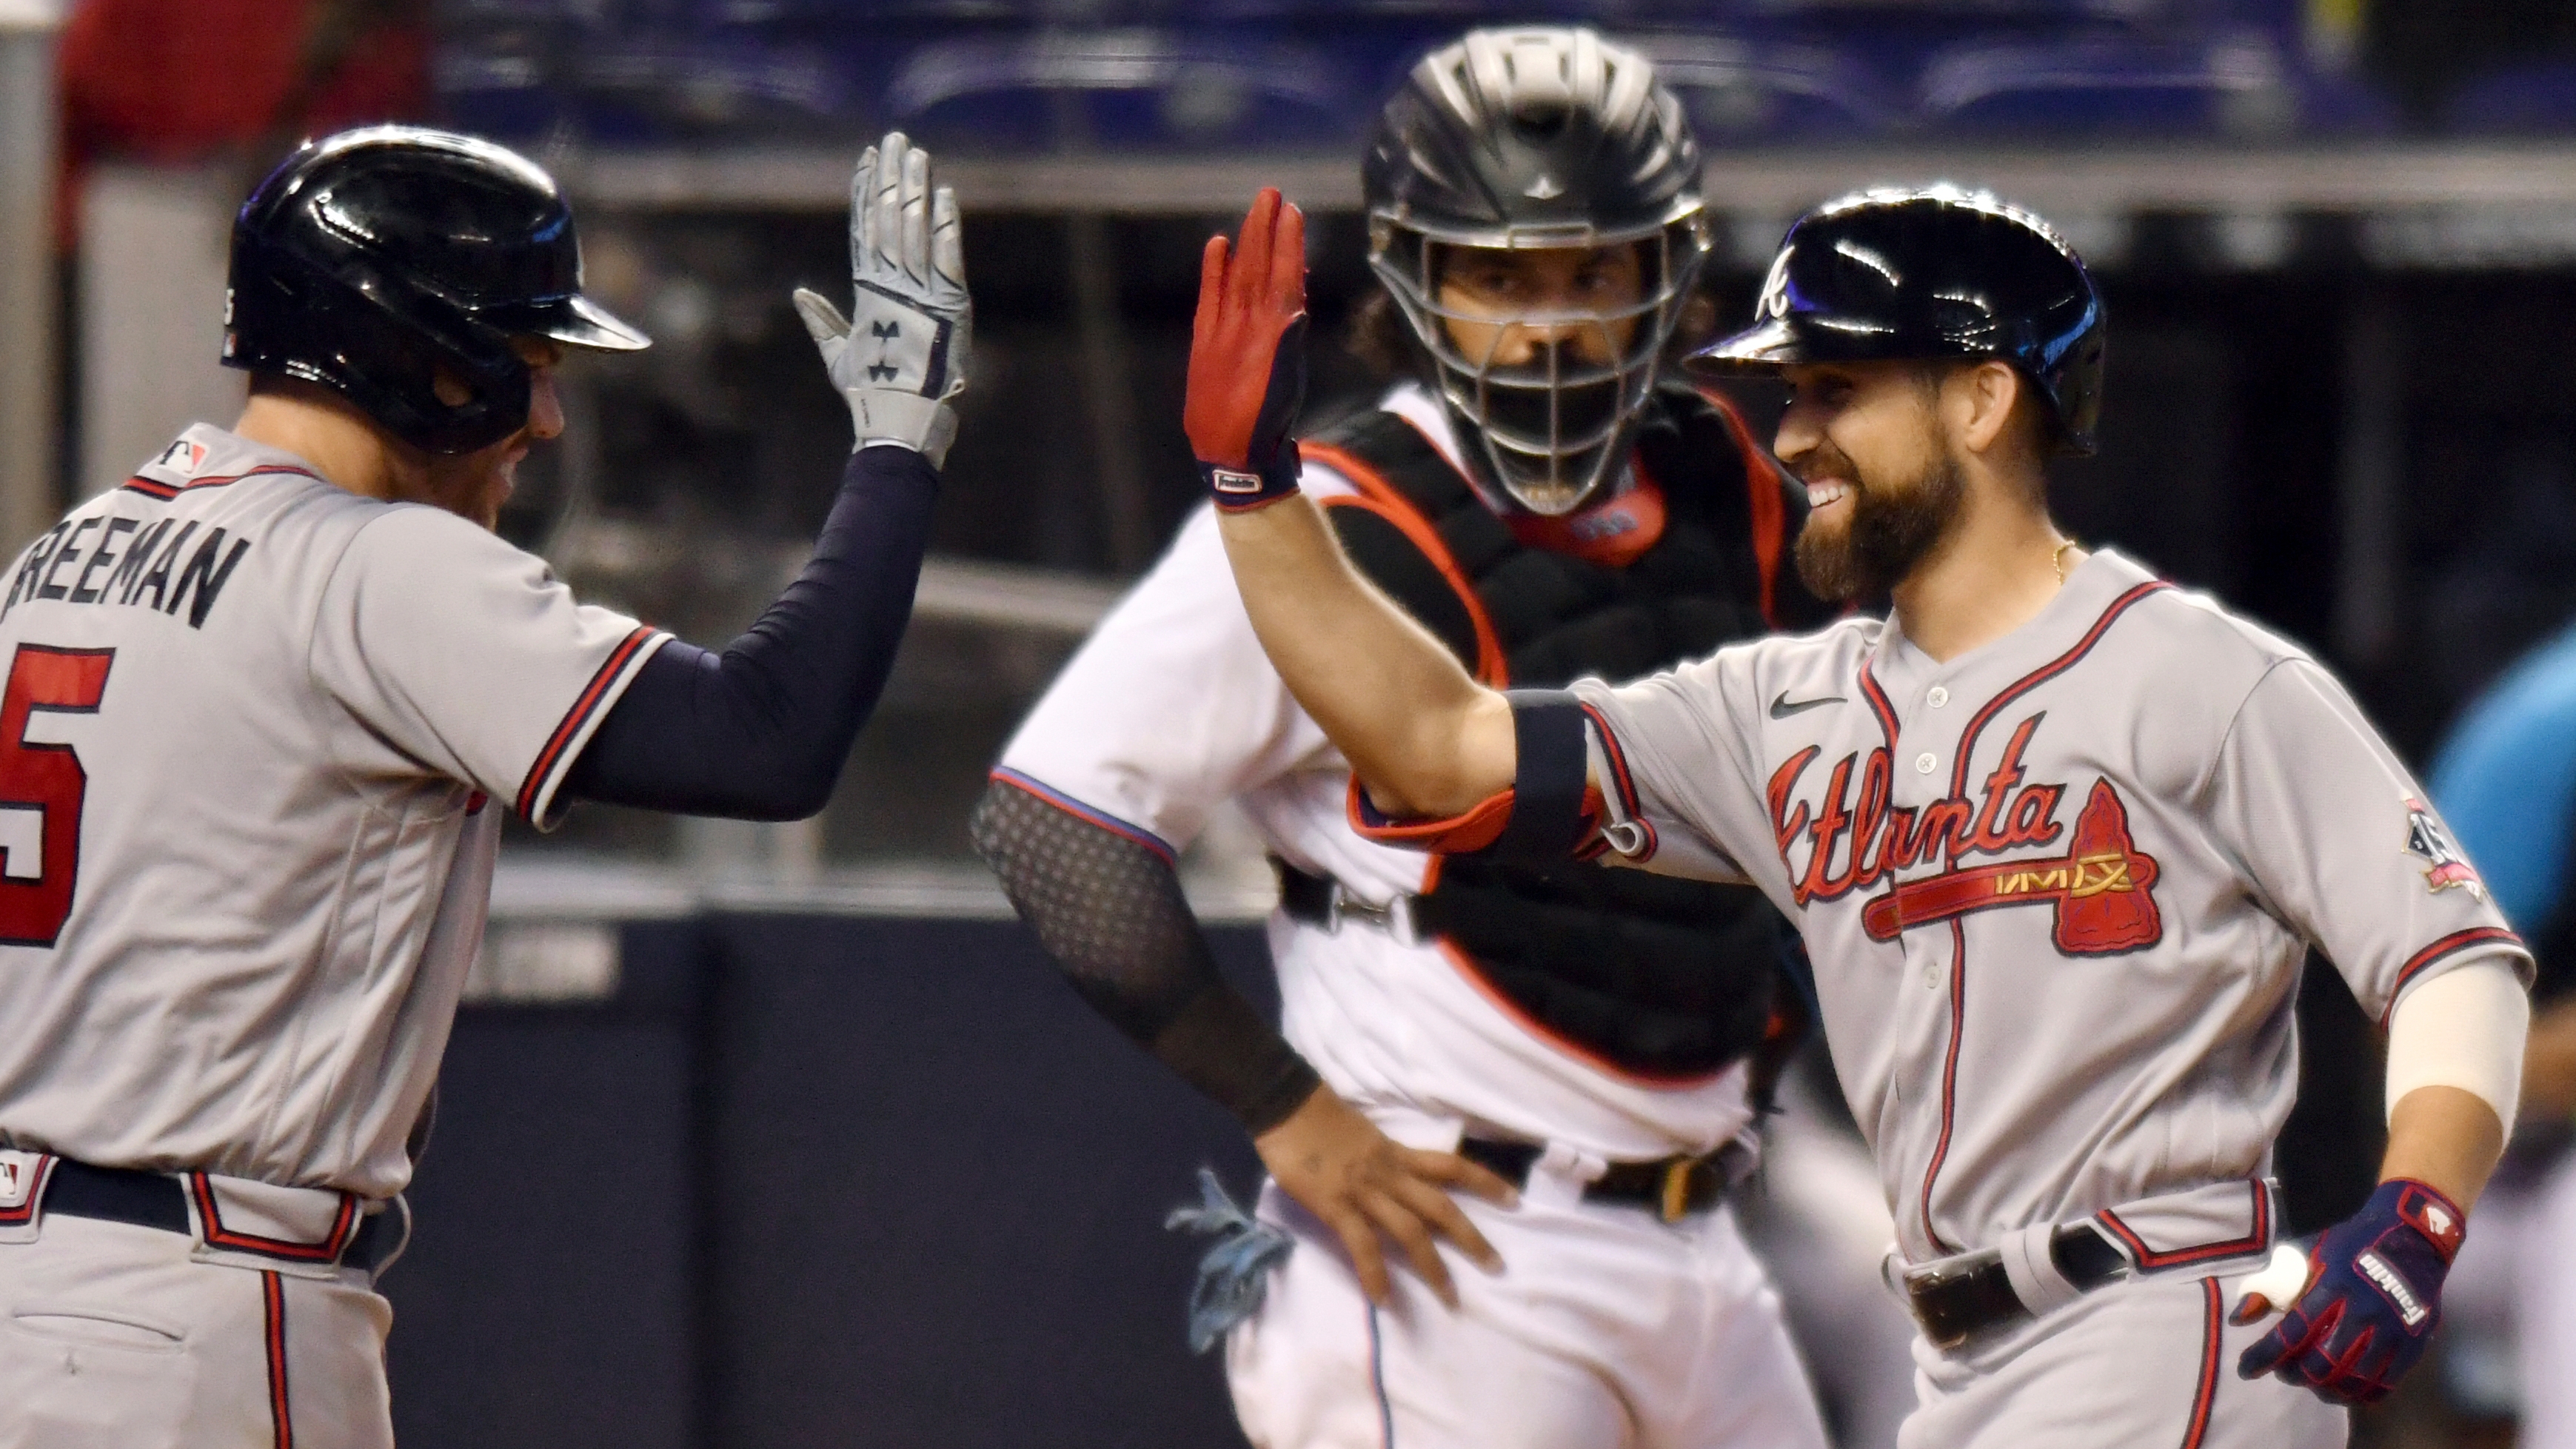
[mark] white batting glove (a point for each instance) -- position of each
(903, 350)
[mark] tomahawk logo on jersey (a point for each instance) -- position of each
(1989, 851)
(2100, 886)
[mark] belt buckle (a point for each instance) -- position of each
(1923, 1289)
(1677, 1181)
(1395, 918)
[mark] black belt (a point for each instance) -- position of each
(1978, 1294)
(1673, 1187)
(1320, 900)
(155, 1200)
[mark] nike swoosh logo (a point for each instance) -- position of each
(1781, 708)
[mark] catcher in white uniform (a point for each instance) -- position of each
(265, 705)
(2056, 835)
(1579, 1038)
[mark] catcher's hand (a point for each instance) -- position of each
(905, 347)
(1341, 1168)
(1248, 356)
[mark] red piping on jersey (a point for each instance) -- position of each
(2450, 945)
(219, 1236)
(154, 488)
(1762, 485)
(1959, 791)
(2149, 1259)
(576, 717)
(1879, 706)
(272, 1293)
(1085, 813)
(2034, 679)
(1619, 780)
(1380, 497)
(2206, 1395)
(25, 1212)
(1949, 1074)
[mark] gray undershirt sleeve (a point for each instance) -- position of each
(1111, 913)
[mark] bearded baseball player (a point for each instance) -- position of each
(1550, 502)
(265, 706)
(2056, 835)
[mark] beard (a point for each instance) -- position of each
(1889, 532)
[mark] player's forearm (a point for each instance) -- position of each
(2445, 1138)
(760, 730)
(1421, 734)
(1109, 910)
(2455, 1046)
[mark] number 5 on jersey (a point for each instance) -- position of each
(41, 789)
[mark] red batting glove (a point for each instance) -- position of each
(1248, 357)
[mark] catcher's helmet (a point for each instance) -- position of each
(369, 260)
(1537, 137)
(1931, 273)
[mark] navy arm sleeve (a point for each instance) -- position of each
(759, 731)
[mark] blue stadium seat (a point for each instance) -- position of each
(504, 68)
(2236, 84)
(1124, 88)
(1743, 91)
(2537, 98)
(679, 85)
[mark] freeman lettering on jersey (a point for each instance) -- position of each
(121, 560)
(2101, 888)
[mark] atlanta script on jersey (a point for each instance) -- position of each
(2057, 891)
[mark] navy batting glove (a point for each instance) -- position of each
(1248, 357)
(2373, 1298)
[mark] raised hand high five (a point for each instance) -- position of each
(1248, 357)
(905, 348)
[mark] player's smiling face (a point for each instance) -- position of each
(475, 485)
(1883, 486)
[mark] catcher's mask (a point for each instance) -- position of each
(1528, 139)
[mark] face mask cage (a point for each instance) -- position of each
(1549, 431)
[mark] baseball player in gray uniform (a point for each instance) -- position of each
(2056, 834)
(264, 707)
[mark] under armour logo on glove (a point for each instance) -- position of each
(886, 333)
(1248, 357)
(908, 299)
(2372, 1300)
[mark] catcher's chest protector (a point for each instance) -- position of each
(1659, 978)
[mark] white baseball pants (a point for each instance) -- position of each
(112, 1337)
(2150, 1364)
(1607, 1328)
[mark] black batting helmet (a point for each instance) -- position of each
(1931, 273)
(1541, 136)
(371, 260)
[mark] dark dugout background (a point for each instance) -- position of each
(811, 1181)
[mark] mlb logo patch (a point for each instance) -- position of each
(183, 455)
(2445, 869)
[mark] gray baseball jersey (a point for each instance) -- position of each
(2057, 891)
(250, 728)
